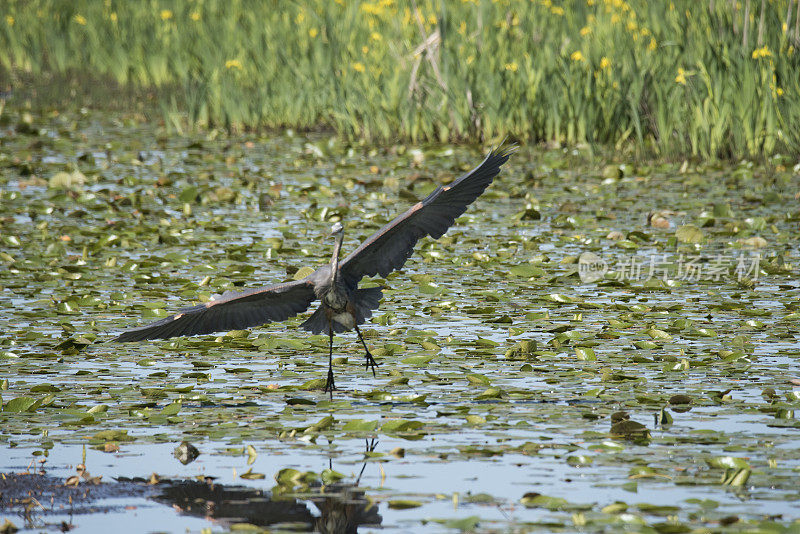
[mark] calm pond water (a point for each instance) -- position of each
(596, 345)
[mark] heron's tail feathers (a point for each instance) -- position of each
(364, 300)
(318, 323)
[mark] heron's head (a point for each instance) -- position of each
(337, 228)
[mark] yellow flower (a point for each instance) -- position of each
(364, 49)
(470, 60)
(779, 91)
(313, 32)
(681, 77)
(195, 16)
(652, 46)
(166, 14)
(761, 52)
(432, 19)
(113, 17)
(9, 20)
(586, 30)
(590, 3)
(556, 10)
(358, 66)
(605, 63)
(577, 56)
(372, 9)
(233, 63)
(80, 19)
(512, 66)
(375, 36)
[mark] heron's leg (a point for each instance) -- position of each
(329, 385)
(371, 444)
(371, 363)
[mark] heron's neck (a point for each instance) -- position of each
(335, 259)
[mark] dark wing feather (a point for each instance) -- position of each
(231, 311)
(390, 247)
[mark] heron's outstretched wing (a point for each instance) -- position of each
(230, 311)
(390, 247)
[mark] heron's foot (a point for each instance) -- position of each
(329, 385)
(371, 363)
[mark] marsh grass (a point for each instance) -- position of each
(716, 79)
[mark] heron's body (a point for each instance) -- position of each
(335, 297)
(343, 305)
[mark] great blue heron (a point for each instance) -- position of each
(343, 306)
